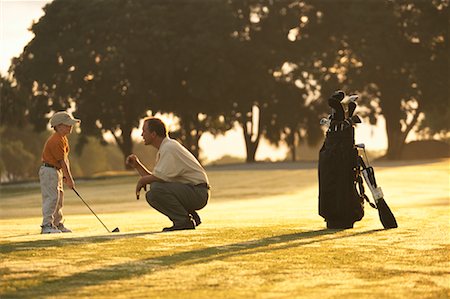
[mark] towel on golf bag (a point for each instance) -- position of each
(339, 201)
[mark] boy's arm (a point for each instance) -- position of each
(65, 167)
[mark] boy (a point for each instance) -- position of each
(55, 170)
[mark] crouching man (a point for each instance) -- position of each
(179, 185)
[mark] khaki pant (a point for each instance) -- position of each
(51, 181)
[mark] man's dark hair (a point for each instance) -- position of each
(156, 125)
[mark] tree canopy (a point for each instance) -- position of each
(267, 65)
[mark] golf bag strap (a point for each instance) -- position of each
(361, 190)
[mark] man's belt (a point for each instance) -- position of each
(203, 185)
(49, 165)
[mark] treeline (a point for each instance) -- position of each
(267, 65)
(21, 150)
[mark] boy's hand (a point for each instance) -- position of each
(69, 182)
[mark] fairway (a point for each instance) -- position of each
(261, 237)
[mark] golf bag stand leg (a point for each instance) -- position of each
(387, 218)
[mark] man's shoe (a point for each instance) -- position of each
(48, 229)
(196, 218)
(188, 225)
(63, 229)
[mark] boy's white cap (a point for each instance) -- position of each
(62, 117)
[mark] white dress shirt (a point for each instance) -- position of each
(174, 163)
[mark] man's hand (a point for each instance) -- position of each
(141, 184)
(132, 161)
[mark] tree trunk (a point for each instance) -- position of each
(290, 140)
(251, 145)
(395, 140)
(251, 148)
(189, 124)
(397, 137)
(293, 153)
(191, 142)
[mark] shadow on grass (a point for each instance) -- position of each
(134, 269)
(37, 244)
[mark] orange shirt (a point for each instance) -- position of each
(56, 149)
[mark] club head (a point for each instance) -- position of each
(116, 230)
(325, 122)
(338, 110)
(355, 119)
(338, 95)
(351, 108)
(353, 98)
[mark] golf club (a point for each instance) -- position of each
(351, 108)
(335, 103)
(363, 147)
(353, 98)
(325, 121)
(339, 95)
(116, 230)
(355, 119)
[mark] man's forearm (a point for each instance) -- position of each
(144, 181)
(142, 170)
(148, 179)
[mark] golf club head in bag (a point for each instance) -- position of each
(338, 95)
(351, 109)
(353, 98)
(335, 102)
(355, 119)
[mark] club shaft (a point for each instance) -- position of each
(90, 209)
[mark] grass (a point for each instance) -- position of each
(261, 237)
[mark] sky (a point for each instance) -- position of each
(17, 16)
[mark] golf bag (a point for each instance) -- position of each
(339, 202)
(341, 172)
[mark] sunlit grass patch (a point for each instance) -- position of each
(261, 247)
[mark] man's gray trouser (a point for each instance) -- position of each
(177, 200)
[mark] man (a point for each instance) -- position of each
(55, 170)
(179, 185)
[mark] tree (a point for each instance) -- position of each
(290, 52)
(261, 48)
(113, 61)
(384, 60)
(293, 117)
(194, 89)
(16, 161)
(20, 152)
(89, 55)
(430, 26)
(12, 104)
